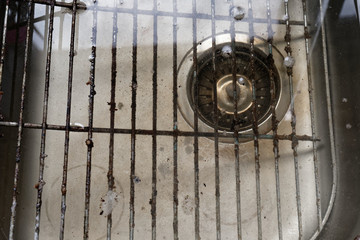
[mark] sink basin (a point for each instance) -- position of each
(110, 140)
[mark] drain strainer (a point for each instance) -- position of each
(224, 86)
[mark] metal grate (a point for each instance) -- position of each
(155, 132)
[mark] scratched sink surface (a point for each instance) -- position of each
(339, 214)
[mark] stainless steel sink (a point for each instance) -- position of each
(142, 158)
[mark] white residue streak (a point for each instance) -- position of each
(108, 203)
(77, 125)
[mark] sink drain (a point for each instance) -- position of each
(224, 86)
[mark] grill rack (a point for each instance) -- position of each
(67, 128)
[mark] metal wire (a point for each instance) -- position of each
(154, 121)
(175, 127)
(321, 27)
(2, 53)
(112, 109)
(67, 127)
(14, 75)
(312, 116)
(255, 120)
(81, 6)
(43, 155)
(274, 120)
(236, 133)
(196, 120)
(91, 82)
(158, 132)
(216, 120)
(294, 140)
(133, 125)
(27, 58)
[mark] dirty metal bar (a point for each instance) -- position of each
(323, 8)
(3, 44)
(235, 123)
(14, 73)
(81, 6)
(175, 127)
(158, 132)
(154, 121)
(294, 140)
(112, 104)
(43, 155)
(27, 58)
(255, 120)
(312, 115)
(89, 141)
(196, 118)
(216, 121)
(274, 120)
(133, 125)
(67, 127)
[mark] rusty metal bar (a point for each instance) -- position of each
(175, 127)
(112, 104)
(158, 132)
(196, 121)
(154, 125)
(81, 6)
(216, 121)
(89, 141)
(323, 7)
(274, 120)
(255, 120)
(15, 62)
(3, 45)
(293, 116)
(133, 125)
(312, 117)
(235, 121)
(27, 59)
(67, 127)
(43, 155)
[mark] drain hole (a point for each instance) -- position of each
(225, 89)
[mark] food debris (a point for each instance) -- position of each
(108, 203)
